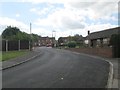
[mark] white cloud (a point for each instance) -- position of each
(71, 18)
(65, 1)
(76, 16)
(17, 15)
(95, 10)
(39, 11)
(64, 33)
(99, 27)
(48, 9)
(33, 10)
(69, 23)
(42, 31)
(62, 18)
(5, 21)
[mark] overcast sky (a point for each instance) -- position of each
(66, 17)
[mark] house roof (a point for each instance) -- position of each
(81, 38)
(44, 38)
(104, 33)
(51, 37)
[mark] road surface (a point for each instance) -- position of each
(56, 68)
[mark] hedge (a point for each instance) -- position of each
(72, 44)
(115, 42)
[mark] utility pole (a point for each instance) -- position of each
(55, 37)
(18, 45)
(52, 38)
(30, 44)
(30, 27)
(70, 37)
(6, 45)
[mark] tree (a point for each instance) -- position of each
(60, 40)
(10, 32)
(115, 42)
(14, 33)
(78, 39)
(35, 37)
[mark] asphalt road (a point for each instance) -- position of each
(58, 69)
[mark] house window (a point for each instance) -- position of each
(86, 41)
(105, 41)
(65, 40)
(98, 41)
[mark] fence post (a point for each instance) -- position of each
(19, 45)
(6, 45)
(29, 45)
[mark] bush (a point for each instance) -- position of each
(115, 42)
(72, 44)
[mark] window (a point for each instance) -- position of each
(105, 41)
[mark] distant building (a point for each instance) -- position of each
(101, 38)
(64, 40)
(46, 41)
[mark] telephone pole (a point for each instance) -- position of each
(30, 27)
(53, 42)
(30, 43)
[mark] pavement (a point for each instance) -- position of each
(19, 60)
(116, 73)
(61, 68)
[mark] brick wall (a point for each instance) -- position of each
(103, 52)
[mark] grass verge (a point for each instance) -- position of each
(0, 55)
(12, 54)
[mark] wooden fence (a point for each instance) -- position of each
(8, 45)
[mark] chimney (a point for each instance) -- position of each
(88, 32)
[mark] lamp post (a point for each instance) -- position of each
(55, 39)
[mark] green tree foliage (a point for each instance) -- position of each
(60, 40)
(72, 44)
(10, 32)
(14, 33)
(35, 37)
(78, 39)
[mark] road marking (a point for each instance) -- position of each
(62, 78)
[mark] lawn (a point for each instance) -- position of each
(12, 54)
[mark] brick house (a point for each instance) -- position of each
(66, 39)
(101, 38)
(46, 41)
(63, 40)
